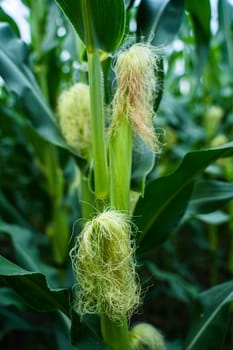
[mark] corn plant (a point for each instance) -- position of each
(116, 176)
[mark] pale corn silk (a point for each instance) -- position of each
(145, 336)
(104, 263)
(74, 117)
(136, 89)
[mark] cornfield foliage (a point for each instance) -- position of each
(181, 197)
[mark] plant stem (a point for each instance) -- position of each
(98, 126)
(87, 198)
(58, 230)
(120, 155)
(115, 336)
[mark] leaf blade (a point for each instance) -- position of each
(166, 198)
(159, 21)
(213, 302)
(99, 23)
(201, 17)
(19, 79)
(33, 288)
(208, 196)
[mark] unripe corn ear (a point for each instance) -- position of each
(144, 336)
(103, 259)
(73, 109)
(136, 90)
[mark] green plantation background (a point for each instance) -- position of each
(181, 196)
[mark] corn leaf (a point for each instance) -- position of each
(20, 80)
(208, 196)
(5, 18)
(159, 21)
(99, 23)
(33, 288)
(159, 212)
(201, 16)
(209, 320)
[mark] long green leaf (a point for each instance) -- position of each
(33, 288)
(99, 23)
(209, 323)
(201, 16)
(20, 80)
(217, 217)
(21, 237)
(208, 196)
(180, 289)
(5, 18)
(159, 21)
(159, 213)
(225, 12)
